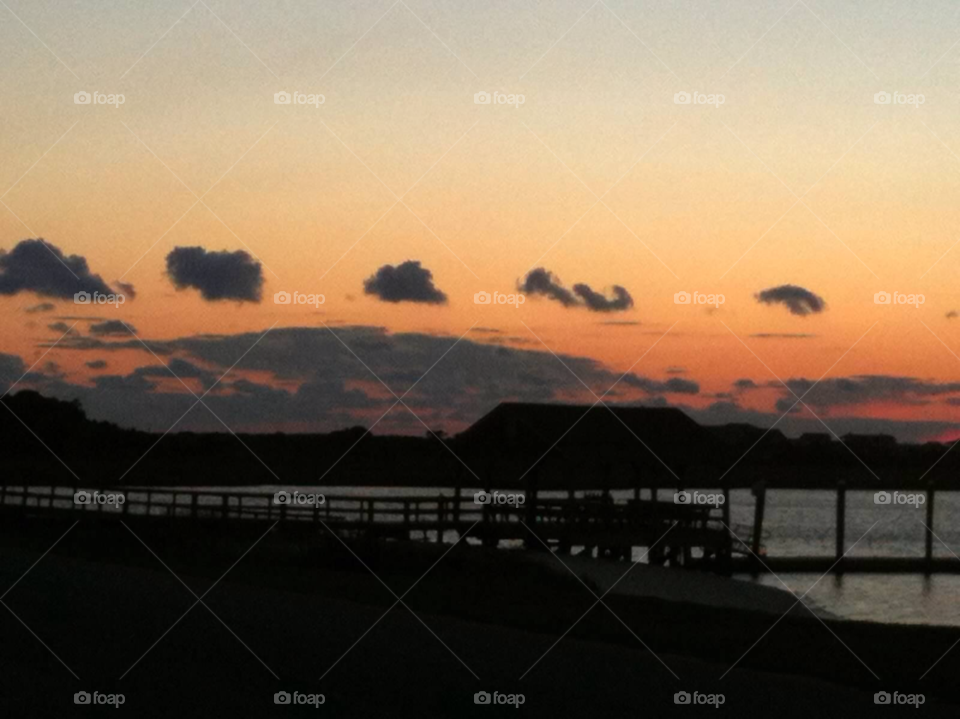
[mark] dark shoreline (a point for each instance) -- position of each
(497, 589)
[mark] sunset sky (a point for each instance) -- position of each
(798, 179)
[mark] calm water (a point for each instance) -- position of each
(802, 523)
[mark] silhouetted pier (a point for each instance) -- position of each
(679, 535)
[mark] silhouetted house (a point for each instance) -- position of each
(581, 446)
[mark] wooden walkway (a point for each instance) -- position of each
(682, 535)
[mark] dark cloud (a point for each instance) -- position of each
(11, 369)
(407, 282)
(798, 300)
(220, 275)
(42, 307)
(127, 289)
(597, 302)
(111, 328)
(38, 266)
(96, 364)
(952, 315)
(541, 282)
(864, 389)
(62, 327)
(800, 422)
(304, 379)
(676, 370)
(485, 330)
(744, 384)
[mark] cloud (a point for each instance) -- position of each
(801, 422)
(541, 282)
(96, 364)
(597, 302)
(112, 328)
(127, 289)
(220, 275)
(42, 307)
(620, 323)
(38, 266)
(798, 300)
(866, 389)
(407, 282)
(676, 370)
(952, 315)
(11, 369)
(303, 379)
(744, 384)
(63, 328)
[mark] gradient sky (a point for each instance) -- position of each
(599, 176)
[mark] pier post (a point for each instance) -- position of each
(841, 522)
(928, 539)
(530, 497)
(760, 492)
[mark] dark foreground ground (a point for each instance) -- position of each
(294, 606)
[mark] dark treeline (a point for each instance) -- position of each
(555, 446)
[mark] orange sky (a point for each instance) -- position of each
(599, 176)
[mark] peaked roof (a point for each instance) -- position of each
(613, 433)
